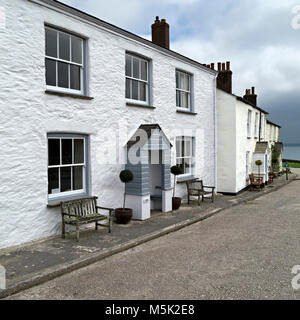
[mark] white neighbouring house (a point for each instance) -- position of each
(241, 137)
(74, 90)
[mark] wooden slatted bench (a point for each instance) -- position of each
(83, 211)
(196, 188)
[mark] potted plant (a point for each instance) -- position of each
(124, 215)
(258, 163)
(176, 201)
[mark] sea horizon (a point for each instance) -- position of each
(291, 151)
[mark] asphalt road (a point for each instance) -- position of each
(246, 252)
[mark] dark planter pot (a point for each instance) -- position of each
(123, 216)
(176, 202)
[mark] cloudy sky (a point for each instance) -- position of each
(257, 36)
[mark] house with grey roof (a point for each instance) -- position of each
(74, 92)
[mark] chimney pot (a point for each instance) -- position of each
(161, 33)
(228, 65)
(253, 90)
(219, 66)
(224, 79)
(223, 66)
(212, 65)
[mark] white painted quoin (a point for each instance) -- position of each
(96, 123)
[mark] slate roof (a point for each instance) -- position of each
(274, 124)
(148, 128)
(261, 147)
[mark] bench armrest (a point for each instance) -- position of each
(209, 187)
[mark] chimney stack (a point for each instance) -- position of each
(224, 79)
(251, 96)
(161, 33)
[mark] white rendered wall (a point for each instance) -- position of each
(226, 126)
(28, 114)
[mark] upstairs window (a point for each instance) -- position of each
(249, 123)
(66, 165)
(184, 154)
(64, 61)
(183, 90)
(137, 79)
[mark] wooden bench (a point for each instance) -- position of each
(196, 188)
(83, 211)
(255, 183)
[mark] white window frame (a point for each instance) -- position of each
(57, 59)
(249, 116)
(190, 157)
(262, 133)
(147, 82)
(67, 194)
(189, 92)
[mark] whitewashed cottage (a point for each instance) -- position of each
(74, 90)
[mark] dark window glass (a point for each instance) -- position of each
(51, 43)
(53, 183)
(77, 178)
(54, 152)
(178, 99)
(128, 66)
(135, 89)
(78, 151)
(177, 80)
(50, 72)
(64, 46)
(144, 70)
(128, 88)
(66, 146)
(75, 77)
(136, 68)
(63, 75)
(142, 91)
(76, 50)
(65, 179)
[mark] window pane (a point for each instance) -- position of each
(142, 91)
(50, 72)
(63, 75)
(66, 146)
(187, 166)
(64, 46)
(144, 70)
(75, 77)
(65, 179)
(177, 80)
(78, 151)
(53, 152)
(184, 99)
(187, 82)
(128, 66)
(127, 93)
(135, 89)
(178, 98)
(76, 50)
(184, 82)
(53, 184)
(136, 68)
(77, 178)
(51, 43)
(187, 148)
(178, 148)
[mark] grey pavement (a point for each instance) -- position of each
(229, 255)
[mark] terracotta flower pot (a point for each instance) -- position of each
(123, 216)
(176, 202)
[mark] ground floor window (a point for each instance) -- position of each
(67, 174)
(184, 154)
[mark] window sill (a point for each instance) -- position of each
(186, 112)
(70, 95)
(56, 202)
(130, 104)
(186, 178)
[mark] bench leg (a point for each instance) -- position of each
(188, 198)
(212, 197)
(77, 232)
(199, 196)
(63, 231)
(109, 222)
(96, 225)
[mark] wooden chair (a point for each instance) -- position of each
(195, 188)
(255, 183)
(271, 177)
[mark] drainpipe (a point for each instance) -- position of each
(215, 132)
